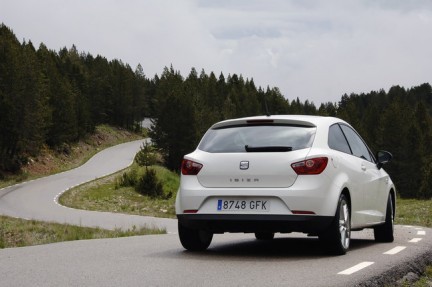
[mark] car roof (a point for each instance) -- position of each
(306, 120)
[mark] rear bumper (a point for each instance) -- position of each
(250, 223)
(317, 194)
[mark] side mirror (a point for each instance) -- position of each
(383, 157)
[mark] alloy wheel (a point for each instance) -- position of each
(344, 224)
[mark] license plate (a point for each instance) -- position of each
(243, 205)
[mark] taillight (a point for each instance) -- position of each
(189, 167)
(310, 166)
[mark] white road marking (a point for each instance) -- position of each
(421, 232)
(356, 268)
(395, 250)
(415, 240)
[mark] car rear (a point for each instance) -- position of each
(257, 174)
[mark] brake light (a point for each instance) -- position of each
(189, 167)
(310, 166)
(261, 121)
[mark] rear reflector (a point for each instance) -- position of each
(189, 167)
(190, 211)
(310, 166)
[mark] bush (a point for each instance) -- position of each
(149, 185)
(147, 181)
(127, 179)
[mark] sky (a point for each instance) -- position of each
(313, 50)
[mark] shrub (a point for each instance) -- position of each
(127, 178)
(149, 185)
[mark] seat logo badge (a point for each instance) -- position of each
(244, 165)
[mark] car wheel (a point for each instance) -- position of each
(384, 232)
(338, 234)
(264, 235)
(194, 239)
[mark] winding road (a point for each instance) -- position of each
(159, 260)
(38, 199)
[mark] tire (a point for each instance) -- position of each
(194, 239)
(338, 235)
(384, 232)
(264, 235)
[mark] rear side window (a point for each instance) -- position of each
(337, 140)
(345, 139)
(236, 138)
(357, 145)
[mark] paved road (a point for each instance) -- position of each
(38, 199)
(232, 259)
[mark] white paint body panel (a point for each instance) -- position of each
(270, 176)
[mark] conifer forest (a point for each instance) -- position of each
(55, 98)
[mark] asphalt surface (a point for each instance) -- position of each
(159, 260)
(231, 260)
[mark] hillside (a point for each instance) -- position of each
(68, 156)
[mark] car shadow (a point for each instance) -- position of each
(278, 248)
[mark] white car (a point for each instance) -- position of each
(285, 173)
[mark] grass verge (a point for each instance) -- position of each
(414, 212)
(105, 195)
(16, 232)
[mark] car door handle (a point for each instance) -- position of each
(363, 167)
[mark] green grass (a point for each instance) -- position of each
(19, 232)
(414, 212)
(105, 195)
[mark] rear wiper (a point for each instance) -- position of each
(268, 148)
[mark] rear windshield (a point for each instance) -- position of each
(236, 138)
